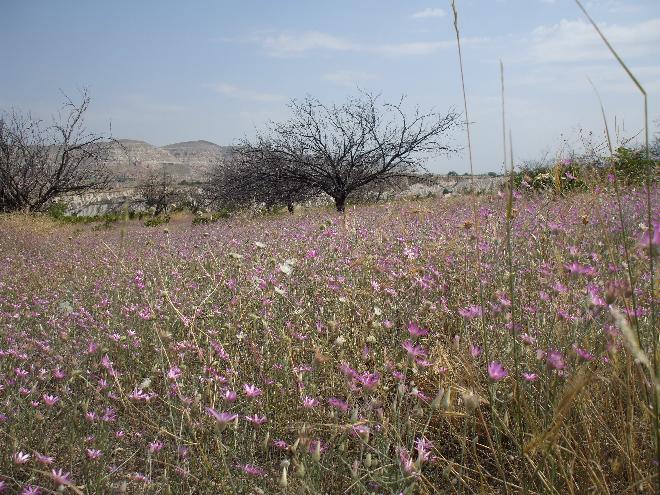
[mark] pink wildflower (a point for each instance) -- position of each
(252, 390)
(94, 454)
(415, 330)
(20, 457)
(60, 477)
(496, 371)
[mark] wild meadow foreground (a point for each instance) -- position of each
(397, 348)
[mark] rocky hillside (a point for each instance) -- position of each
(131, 160)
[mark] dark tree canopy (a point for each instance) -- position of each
(338, 150)
(244, 180)
(39, 163)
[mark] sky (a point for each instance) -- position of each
(169, 71)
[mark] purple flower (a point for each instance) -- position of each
(252, 390)
(20, 457)
(414, 351)
(338, 404)
(496, 371)
(470, 311)
(50, 400)
(583, 353)
(476, 351)
(60, 477)
(223, 418)
(251, 469)
(229, 395)
(309, 402)
(43, 459)
(94, 454)
(257, 420)
(530, 377)
(555, 359)
(155, 446)
(174, 373)
(415, 330)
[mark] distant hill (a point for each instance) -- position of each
(131, 160)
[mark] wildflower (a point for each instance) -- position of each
(21, 373)
(415, 330)
(155, 446)
(60, 477)
(496, 371)
(338, 404)
(470, 311)
(229, 395)
(252, 390)
(139, 395)
(407, 464)
(251, 469)
(280, 444)
(530, 377)
(582, 353)
(361, 431)
(20, 457)
(50, 400)
(94, 454)
(476, 351)
(223, 418)
(255, 419)
(555, 360)
(174, 373)
(424, 448)
(369, 380)
(31, 490)
(310, 402)
(414, 351)
(43, 459)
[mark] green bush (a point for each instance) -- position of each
(631, 165)
(565, 176)
(156, 221)
(210, 218)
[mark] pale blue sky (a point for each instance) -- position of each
(165, 71)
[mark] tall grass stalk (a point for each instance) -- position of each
(649, 224)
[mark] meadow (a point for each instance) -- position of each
(425, 346)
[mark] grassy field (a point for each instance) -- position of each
(412, 347)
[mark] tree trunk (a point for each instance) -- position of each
(340, 203)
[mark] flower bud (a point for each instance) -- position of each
(367, 460)
(437, 401)
(284, 481)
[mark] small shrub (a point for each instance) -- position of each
(212, 218)
(156, 221)
(631, 165)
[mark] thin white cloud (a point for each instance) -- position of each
(298, 44)
(347, 77)
(428, 13)
(577, 41)
(233, 91)
(293, 44)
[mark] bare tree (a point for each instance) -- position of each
(340, 149)
(158, 191)
(39, 164)
(245, 180)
